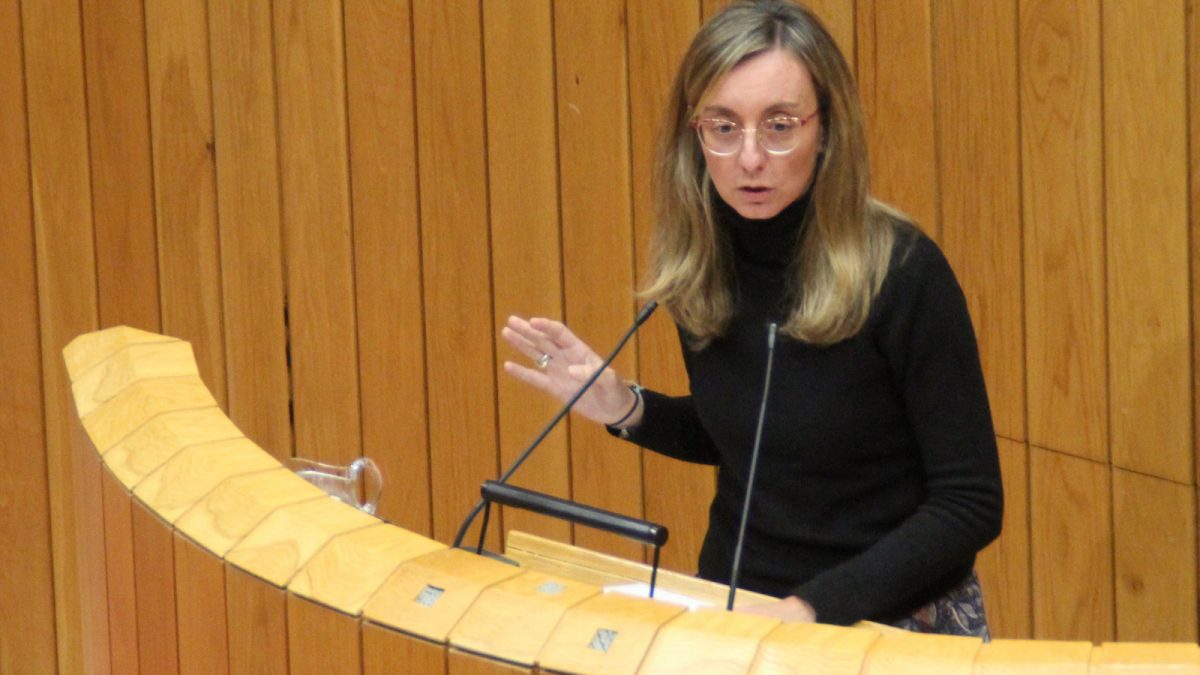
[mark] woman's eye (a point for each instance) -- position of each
(779, 125)
(722, 128)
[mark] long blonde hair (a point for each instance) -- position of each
(842, 258)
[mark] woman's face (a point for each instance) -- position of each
(755, 183)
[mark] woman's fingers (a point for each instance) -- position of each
(540, 336)
(555, 331)
(529, 376)
(530, 341)
(519, 342)
(562, 339)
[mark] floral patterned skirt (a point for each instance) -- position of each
(958, 612)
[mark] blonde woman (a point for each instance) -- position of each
(878, 479)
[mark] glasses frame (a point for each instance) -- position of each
(802, 121)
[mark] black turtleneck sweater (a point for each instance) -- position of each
(878, 478)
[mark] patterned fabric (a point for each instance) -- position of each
(958, 612)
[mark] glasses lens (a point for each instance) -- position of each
(779, 134)
(720, 136)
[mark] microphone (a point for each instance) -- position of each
(644, 314)
(762, 414)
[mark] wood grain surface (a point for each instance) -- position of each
(185, 199)
(385, 203)
(1062, 188)
(915, 654)
(576, 643)
(813, 648)
(708, 640)
(28, 598)
(1072, 545)
(253, 291)
(1035, 657)
(60, 198)
(203, 615)
(1146, 220)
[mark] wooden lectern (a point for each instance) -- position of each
(201, 553)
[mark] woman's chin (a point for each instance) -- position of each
(757, 209)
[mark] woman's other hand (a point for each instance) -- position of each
(790, 609)
(562, 363)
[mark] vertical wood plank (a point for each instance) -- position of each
(321, 641)
(839, 19)
(122, 178)
(247, 166)
(454, 243)
(258, 632)
(1193, 59)
(27, 595)
(123, 616)
(593, 129)
(95, 650)
(154, 562)
(1062, 183)
(526, 248)
(202, 614)
(317, 229)
(1071, 546)
(711, 7)
(385, 649)
(1004, 568)
(675, 494)
(465, 663)
(387, 255)
(1154, 537)
(895, 79)
(1147, 216)
(61, 199)
(974, 61)
(184, 197)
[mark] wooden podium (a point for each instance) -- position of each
(201, 553)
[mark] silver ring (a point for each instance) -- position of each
(542, 361)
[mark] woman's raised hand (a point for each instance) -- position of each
(561, 364)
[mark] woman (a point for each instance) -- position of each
(878, 479)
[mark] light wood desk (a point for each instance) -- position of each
(200, 553)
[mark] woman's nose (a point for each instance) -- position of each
(751, 155)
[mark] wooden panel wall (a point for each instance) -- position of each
(26, 595)
(339, 202)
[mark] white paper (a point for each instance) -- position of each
(640, 590)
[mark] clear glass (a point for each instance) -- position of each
(359, 484)
(778, 134)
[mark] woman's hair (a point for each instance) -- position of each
(842, 257)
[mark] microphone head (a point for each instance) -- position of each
(647, 310)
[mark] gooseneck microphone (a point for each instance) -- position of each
(762, 415)
(641, 318)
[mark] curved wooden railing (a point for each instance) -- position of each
(200, 553)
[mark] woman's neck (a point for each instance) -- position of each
(769, 241)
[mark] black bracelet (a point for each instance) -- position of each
(637, 398)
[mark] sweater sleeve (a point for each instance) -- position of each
(671, 427)
(931, 348)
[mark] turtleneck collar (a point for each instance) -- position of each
(769, 241)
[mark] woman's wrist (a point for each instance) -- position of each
(630, 418)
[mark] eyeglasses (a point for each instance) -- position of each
(778, 135)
